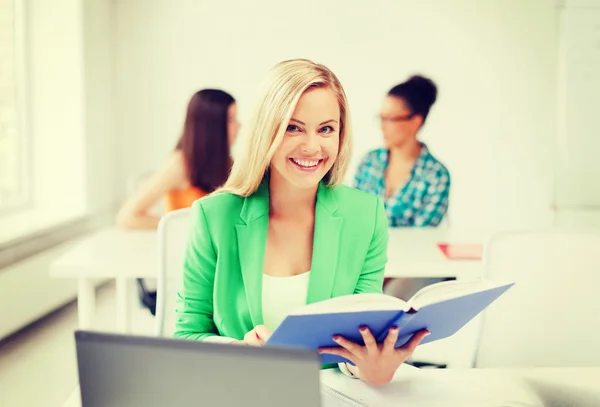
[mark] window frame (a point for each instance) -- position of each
(24, 200)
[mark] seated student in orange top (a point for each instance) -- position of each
(199, 164)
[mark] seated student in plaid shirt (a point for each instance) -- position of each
(413, 184)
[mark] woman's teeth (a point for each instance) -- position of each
(306, 163)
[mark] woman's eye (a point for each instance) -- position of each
(327, 129)
(292, 128)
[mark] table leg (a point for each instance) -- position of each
(86, 302)
(123, 293)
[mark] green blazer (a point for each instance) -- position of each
(221, 292)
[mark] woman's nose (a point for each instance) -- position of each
(311, 144)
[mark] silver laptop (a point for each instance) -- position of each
(133, 371)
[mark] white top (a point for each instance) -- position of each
(281, 296)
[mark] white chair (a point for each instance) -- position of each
(551, 316)
(173, 232)
(134, 183)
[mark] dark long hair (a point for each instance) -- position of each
(418, 92)
(204, 142)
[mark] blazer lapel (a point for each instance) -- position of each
(252, 238)
(326, 243)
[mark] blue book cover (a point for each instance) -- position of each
(442, 308)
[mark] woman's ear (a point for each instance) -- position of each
(418, 120)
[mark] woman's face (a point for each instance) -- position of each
(398, 125)
(311, 142)
(233, 126)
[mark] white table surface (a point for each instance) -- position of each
(122, 255)
(110, 253)
(467, 388)
(413, 253)
(573, 387)
(125, 255)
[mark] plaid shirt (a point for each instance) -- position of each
(422, 201)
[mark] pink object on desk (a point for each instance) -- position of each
(461, 251)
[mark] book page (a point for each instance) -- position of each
(354, 303)
(450, 289)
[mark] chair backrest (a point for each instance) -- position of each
(550, 317)
(173, 232)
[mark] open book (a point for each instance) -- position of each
(442, 308)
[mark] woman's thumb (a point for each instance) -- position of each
(262, 332)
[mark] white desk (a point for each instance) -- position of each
(575, 387)
(413, 253)
(127, 255)
(110, 253)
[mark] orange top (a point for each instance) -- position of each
(182, 198)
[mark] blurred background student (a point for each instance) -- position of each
(413, 184)
(199, 164)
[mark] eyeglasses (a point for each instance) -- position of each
(395, 119)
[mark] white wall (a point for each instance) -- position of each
(73, 149)
(100, 138)
(70, 91)
(54, 117)
(56, 101)
(494, 62)
(29, 293)
(577, 171)
(69, 117)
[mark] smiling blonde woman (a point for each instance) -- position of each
(283, 232)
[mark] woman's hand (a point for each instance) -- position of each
(256, 337)
(376, 363)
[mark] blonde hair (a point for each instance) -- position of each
(286, 82)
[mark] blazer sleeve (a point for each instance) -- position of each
(371, 276)
(195, 297)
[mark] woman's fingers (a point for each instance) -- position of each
(370, 342)
(350, 346)
(252, 339)
(263, 333)
(345, 353)
(414, 341)
(355, 352)
(258, 336)
(389, 343)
